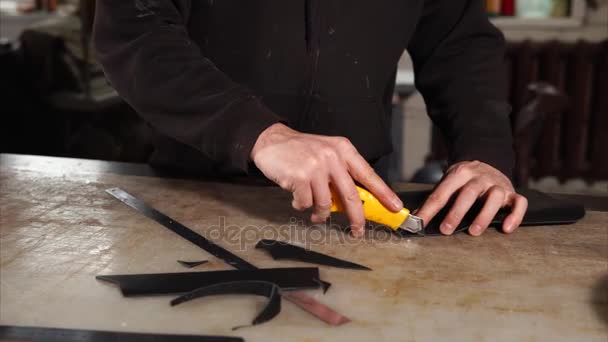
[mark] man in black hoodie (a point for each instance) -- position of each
(302, 89)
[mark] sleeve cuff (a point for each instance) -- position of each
(251, 118)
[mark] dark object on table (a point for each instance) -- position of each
(14, 333)
(281, 250)
(431, 173)
(181, 230)
(191, 264)
(251, 287)
(302, 300)
(542, 210)
(166, 283)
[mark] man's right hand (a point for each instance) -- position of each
(307, 164)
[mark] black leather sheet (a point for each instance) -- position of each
(542, 210)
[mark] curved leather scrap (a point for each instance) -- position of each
(291, 278)
(280, 250)
(260, 288)
(542, 210)
(191, 264)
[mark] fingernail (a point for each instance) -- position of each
(446, 228)
(509, 228)
(475, 229)
(397, 204)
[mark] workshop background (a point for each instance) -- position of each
(55, 100)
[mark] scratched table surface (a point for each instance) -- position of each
(59, 229)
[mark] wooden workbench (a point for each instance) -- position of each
(59, 229)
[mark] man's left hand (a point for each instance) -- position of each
(473, 180)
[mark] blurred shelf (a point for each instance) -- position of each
(540, 23)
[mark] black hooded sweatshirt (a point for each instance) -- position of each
(213, 74)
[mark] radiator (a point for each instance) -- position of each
(573, 143)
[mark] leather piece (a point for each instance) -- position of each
(248, 287)
(542, 210)
(302, 300)
(181, 230)
(280, 250)
(167, 283)
(15, 333)
(192, 264)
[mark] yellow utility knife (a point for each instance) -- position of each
(376, 212)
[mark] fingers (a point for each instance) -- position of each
(519, 206)
(441, 195)
(361, 171)
(302, 197)
(349, 196)
(465, 200)
(322, 200)
(495, 199)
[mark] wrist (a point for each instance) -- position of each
(271, 134)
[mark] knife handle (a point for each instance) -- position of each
(374, 210)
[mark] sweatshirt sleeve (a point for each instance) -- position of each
(458, 58)
(149, 58)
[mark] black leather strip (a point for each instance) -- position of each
(280, 250)
(167, 283)
(181, 230)
(15, 333)
(260, 288)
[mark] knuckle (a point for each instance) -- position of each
(524, 201)
(436, 198)
(286, 185)
(312, 162)
(358, 224)
(485, 181)
(297, 206)
(358, 220)
(327, 152)
(344, 144)
(461, 169)
(474, 163)
(300, 204)
(497, 191)
(323, 207)
(352, 196)
(300, 176)
(318, 218)
(453, 217)
(471, 190)
(368, 175)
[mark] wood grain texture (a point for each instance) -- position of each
(59, 229)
